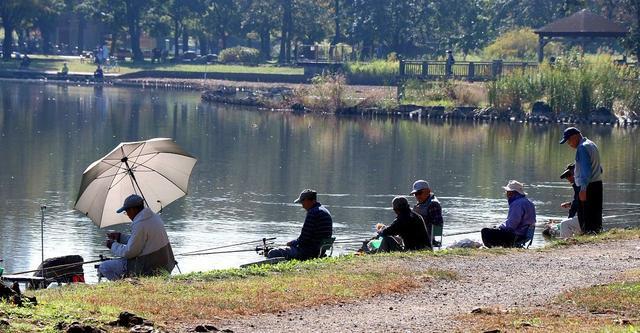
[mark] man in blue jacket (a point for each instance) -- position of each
(521, 217)
(588, 176)
(317, 227)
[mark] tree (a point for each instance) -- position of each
(260, 16)
(46, 17)
(12, 13)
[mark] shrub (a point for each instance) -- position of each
(328, 93)
(372, 71)
(240, 54)
(514, 45)
(572, 84)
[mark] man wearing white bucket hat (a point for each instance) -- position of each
(521, 217)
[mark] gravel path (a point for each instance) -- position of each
(529, 278)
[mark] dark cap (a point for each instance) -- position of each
(400, 203)
(570, 131)
(131, 201)
(568, 171)
(306, 194)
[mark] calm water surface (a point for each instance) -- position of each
(252, 164)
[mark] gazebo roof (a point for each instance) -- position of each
(583, 24)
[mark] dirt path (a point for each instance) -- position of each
(529, 278)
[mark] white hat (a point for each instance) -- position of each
(419, 185)
(516, 186)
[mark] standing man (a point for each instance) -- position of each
(521, 217)
(588, 176)
(318, 226)
(408, 225)
(428, 207)
(146, 251)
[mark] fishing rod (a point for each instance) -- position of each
(262, 240)
(62, 266)
(218, 252)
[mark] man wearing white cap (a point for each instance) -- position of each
(428, 206)
(146, 251)
(521, 217)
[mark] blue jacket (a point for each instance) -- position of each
(588, 168)
(317, 226)
(522, 215)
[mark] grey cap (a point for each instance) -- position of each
(131, 201)
(400, 203)
(568, 171)
(420, 185)
(306, 194)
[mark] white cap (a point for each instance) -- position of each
(419, 185)
(516, 186)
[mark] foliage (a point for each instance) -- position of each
(240, 55)
(376, 70)
(571, 84)
(327, 94)
(515, 44)
(443, 93)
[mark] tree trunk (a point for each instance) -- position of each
(265, 44)
(204, 44)
(185, 40)
(133, 18)
(82, 24)
(7, 42)
(285, 47)
(45, 31)
(336, 38)
(176, 36)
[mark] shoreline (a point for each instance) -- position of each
(282, 97)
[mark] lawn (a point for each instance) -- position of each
(54, 63)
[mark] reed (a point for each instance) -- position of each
(572, 85)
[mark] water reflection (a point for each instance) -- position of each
(253, 164)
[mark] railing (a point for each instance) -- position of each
(472, 71)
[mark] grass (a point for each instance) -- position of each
(54, 63)
(609, 308)
(572, 85)
(610, 235)
(223, 293)
(194, 297)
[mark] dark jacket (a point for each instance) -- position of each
(576, 201)
(317, 226)
(411, 228)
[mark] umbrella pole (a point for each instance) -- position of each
(133, 177)
(42, 209)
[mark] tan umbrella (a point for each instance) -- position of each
(156, 169)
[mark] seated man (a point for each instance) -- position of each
(64, 71)
(317, 226)
(428, 207)
(408, 226)
(571, 226)
(522, 216)
(25, 62)
(98, 74)
(146, 251)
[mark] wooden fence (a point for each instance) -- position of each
(471, 71)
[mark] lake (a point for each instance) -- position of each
(252, 165)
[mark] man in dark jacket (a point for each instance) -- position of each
(571, 226)
(317, 227)
(408, 226)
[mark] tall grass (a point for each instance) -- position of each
(375, 70)
(571, 85)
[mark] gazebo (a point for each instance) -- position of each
(583, 24)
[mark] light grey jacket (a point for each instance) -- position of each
(147, 249)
